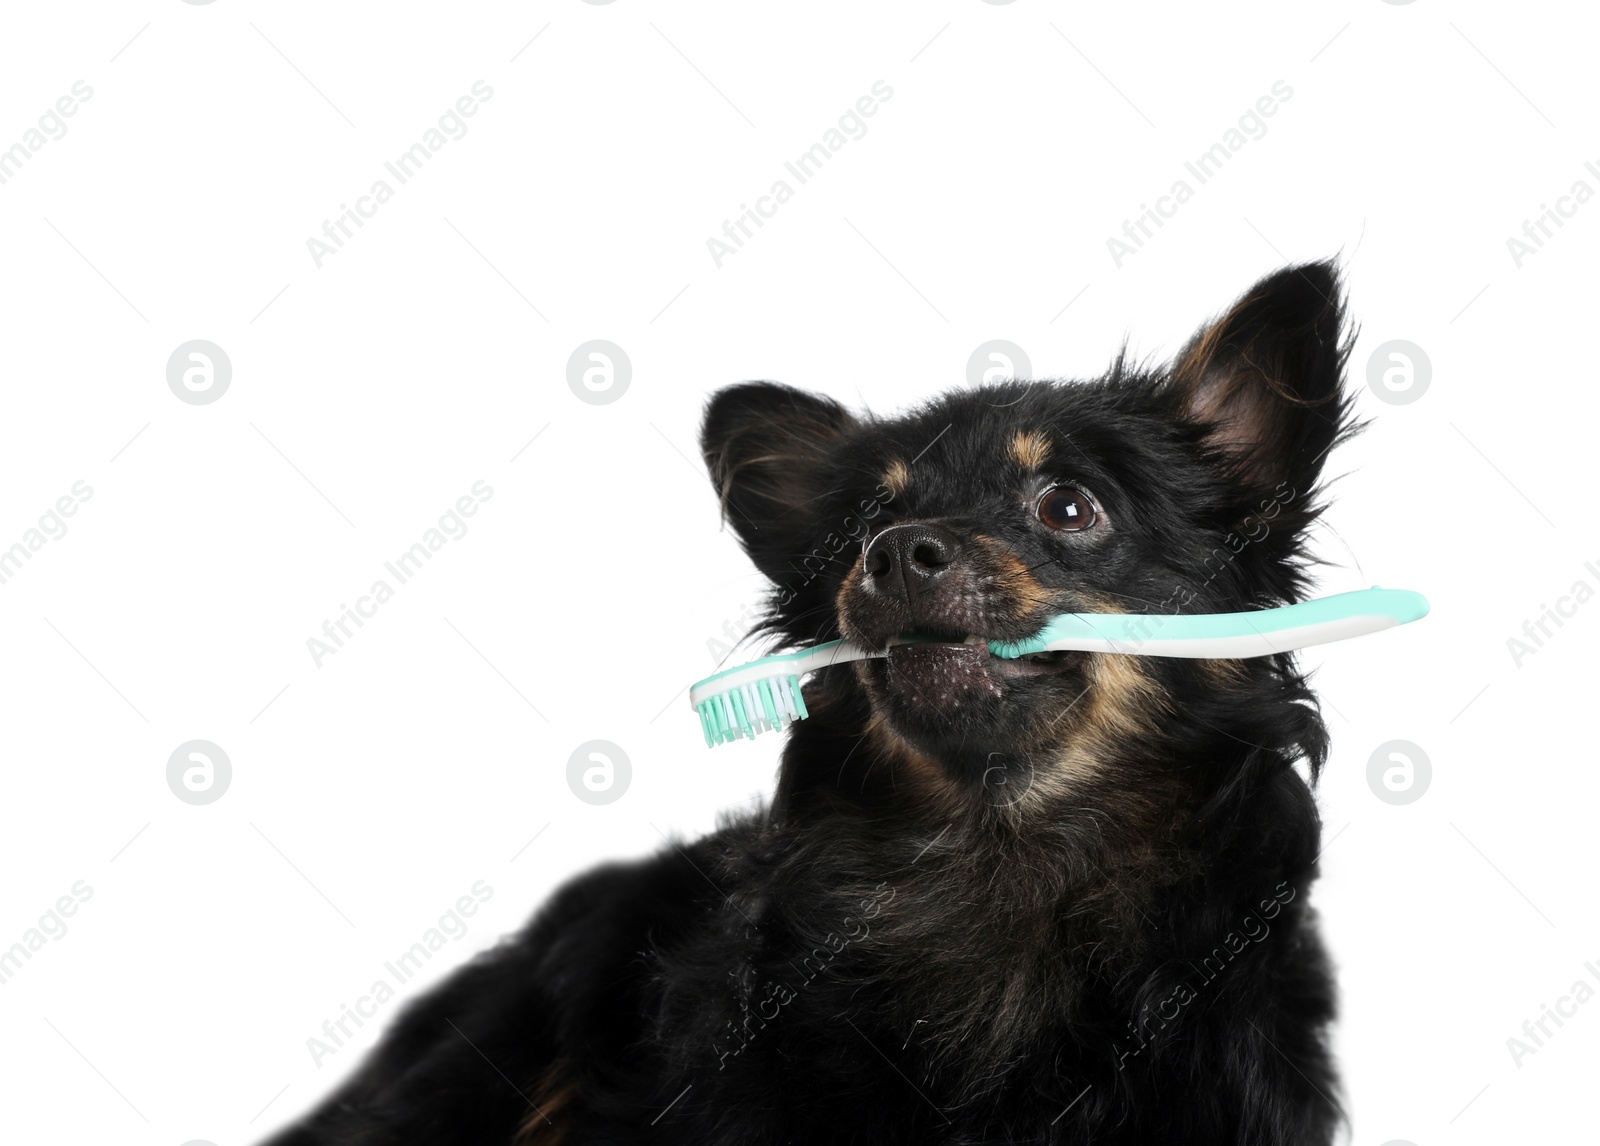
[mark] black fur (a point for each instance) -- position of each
(1070, 908)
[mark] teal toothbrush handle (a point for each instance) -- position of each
(1259, 632)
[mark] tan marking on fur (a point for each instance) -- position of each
(1191, 371)
(841, 599)
(550, 1094)
(1231, 387)
(1222, 673)
(1014, 578)
(1122, 700)
(1030, 449)
(1216, 349)
(928, 776)
(897, 477)
(1117, 707)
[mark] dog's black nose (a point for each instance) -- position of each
(905, 559)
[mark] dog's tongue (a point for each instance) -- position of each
(938, 675)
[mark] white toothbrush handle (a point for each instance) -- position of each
(791, 664)
(1240, 645)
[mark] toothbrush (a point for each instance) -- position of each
(765, 694)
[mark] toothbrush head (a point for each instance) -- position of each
(764, 704)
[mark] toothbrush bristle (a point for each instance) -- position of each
(768, 704)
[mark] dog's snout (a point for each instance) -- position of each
(905, 559)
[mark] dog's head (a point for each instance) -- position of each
(1185, 489)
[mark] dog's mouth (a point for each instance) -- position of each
(938, 672)
(946, 647)
(940, 685)
(944, 692)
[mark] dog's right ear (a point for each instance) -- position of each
(768, 448)
(1266, 379)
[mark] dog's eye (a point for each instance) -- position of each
(1065, 508)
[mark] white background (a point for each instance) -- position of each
(370, 793)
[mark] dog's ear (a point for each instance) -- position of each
(1265, 381)
(768, 449)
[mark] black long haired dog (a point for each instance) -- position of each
(1058, 900)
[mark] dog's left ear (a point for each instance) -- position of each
(1265, 381)
(768, 448)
